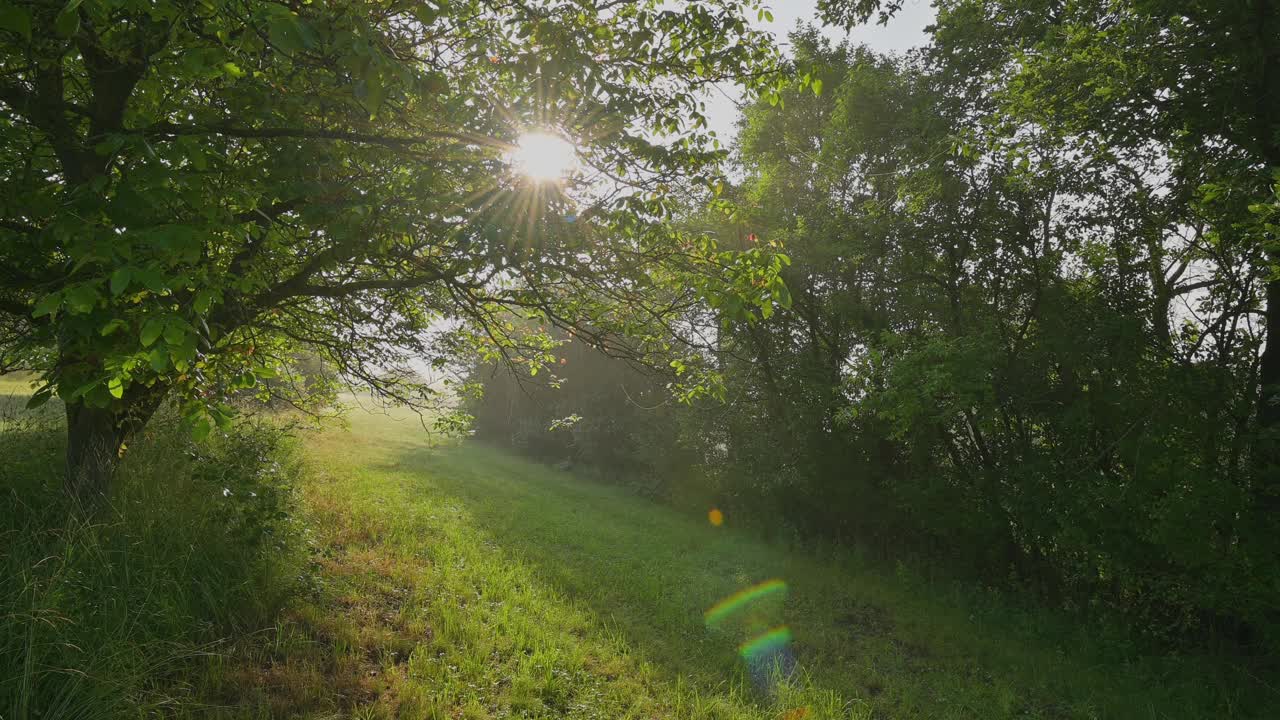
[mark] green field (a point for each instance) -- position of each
(462, 582)
(424, 578)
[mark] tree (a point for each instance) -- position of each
(1022, 335)
(1180, 97)
(197, 191)
(1172, 111)
(589, 409)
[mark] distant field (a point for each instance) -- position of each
(461, 582)
(16, 384)
(15, 389)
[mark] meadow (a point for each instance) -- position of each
(462, 581)
(416, 576)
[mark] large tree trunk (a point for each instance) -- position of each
(1269, 409)
(1267, 449)
(94, 439)
(1267, 121)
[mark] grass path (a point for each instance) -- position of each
(461, 582)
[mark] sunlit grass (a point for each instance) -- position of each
(458, 581)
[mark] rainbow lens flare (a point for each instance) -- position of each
(730, 605)
(756, 612)
(767, 644)
(769, 656)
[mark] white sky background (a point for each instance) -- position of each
(904, 31)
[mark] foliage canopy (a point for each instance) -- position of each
(200, 191)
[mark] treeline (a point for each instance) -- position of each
(594, 412)
(1029, 282)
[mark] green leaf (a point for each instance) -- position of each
(151, 279)
(201, 427)
(151, 331)
(110, 146)
(67, 23)
(115, 386)
(223, 416)
(290, 33)
(48, 305)
(40, 397)
(159, 359)
(97, 396)
(120, 280)
(15, 19)
(183, 355)
(82, 298)
(424, 13)
(182, 242)
(113, 327)
(204, 300)
(175, 332)
(817, 86)
(373, 89)
(782, 295)
(84, 389)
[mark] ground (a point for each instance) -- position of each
(457, 581)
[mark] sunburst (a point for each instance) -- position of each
(543, 156)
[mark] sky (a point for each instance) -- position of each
(904, 31)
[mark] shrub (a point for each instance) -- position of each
(600, 413)
(195, 547)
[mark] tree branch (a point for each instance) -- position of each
(16, 309)
(167, 129)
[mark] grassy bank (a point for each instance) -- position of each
(455, 581)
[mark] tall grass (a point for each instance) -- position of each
(116, 614)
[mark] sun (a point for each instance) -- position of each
(544, 157)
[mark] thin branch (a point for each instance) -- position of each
(167, 129)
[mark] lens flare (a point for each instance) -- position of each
(756, 613)
(769, 657)
(766, 645)
(544, 157)
(728, 606)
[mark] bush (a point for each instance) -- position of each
(600, 414)
(102, 617)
